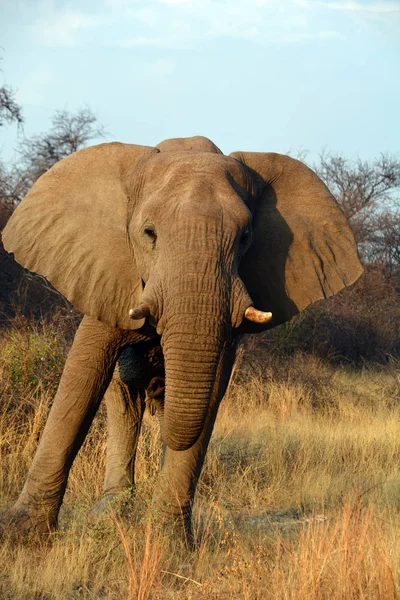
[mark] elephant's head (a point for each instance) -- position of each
(189, 238)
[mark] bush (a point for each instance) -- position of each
(360, 324)
(32, 355)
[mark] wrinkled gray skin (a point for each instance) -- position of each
(198, 237)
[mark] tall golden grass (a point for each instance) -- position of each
(298, 499)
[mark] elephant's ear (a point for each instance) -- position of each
(303, 249)
(72, 229)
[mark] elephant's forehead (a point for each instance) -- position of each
(180, 185)
(183, 169)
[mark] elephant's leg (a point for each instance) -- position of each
(133, 380)
(176, 486)
(87, 373)
(125, 407)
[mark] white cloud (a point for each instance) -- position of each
(381, 16)
(263, 21)
(182, 23)
(176, 1)
(383, 6)
(156, 42)
(372, 7)
(63, 27)
(122, 4)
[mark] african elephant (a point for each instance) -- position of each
(170, 252)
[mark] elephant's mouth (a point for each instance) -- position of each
(251, 313)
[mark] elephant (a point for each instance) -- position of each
(171, 253)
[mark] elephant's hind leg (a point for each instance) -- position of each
(138, 380)
(125, 407)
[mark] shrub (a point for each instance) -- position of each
(360, 324)
(32, 355)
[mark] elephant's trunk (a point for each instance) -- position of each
(195, 326)
(191, 362)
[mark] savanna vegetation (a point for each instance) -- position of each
(300, 494)
(299, 497)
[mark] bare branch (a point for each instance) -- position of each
(69, 133)
(360, 184)
(366, 191)
(10, 111)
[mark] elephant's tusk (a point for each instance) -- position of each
(257, 316)
(140, 312)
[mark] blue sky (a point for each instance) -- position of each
(266, 75)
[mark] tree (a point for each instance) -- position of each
(366, 191)
(383, 246)
(69, 132)
(12, 186)
(10, 111)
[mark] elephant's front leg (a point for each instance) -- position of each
(85, 378)
(125, 407)
(176, 486)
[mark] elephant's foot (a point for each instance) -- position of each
(179, 529)
(23, 520)
(111, 503)
(177, 525)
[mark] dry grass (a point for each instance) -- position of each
(299, 496)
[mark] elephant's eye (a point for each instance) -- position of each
(150, 232)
